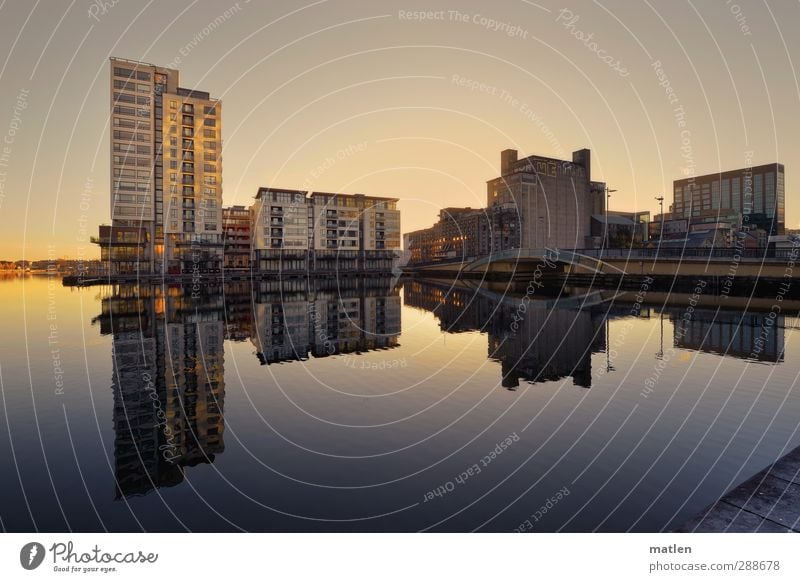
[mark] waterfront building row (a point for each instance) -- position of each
(167, 215)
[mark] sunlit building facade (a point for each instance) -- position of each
(166, 174)
(756, 193)
(295, 231)
(236, 229)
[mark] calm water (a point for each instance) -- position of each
(366, 405)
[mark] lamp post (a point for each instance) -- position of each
(608, 200)
(661, 231)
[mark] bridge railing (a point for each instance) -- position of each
(691, 253)
(573, 255)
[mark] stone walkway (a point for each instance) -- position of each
(767, 502)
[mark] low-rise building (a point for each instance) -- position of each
(236, 237)
(460, 234)
(297, 231)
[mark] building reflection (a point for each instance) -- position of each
(532, 343)
(168, 355)
(752, 336)
(338, 317)
(167, 382)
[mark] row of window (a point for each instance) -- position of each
(131, 199)
(189, 108)
(131, 74)
(132, 123)
(131, 148)
(132, 186)
(131, 136)
(131, 161)
(129, 98)
(131, 173)
(131, 86)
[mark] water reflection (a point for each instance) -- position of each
(750, 336)
(168, 379)
(168, 383)
(533, 342)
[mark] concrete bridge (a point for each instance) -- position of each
(723, 262)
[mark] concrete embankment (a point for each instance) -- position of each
(767, 502)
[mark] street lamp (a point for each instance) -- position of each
(608, 200)
(661, 204)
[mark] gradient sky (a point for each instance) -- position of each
(356, 97)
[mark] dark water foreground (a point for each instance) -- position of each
(368, 404)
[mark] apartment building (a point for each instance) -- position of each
(236, 237)
(757, 193)
(166, 174)
(297, 231)
(460, 234)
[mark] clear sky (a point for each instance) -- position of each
(371, 97)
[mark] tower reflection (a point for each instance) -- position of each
(168, 357)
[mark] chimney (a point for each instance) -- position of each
(583, 158)
(507, 159)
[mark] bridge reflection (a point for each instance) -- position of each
(542, 339)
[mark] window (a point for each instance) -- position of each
(210, 180)
(209, 133)
(173, 104)
(124, 98)
(210, 122)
